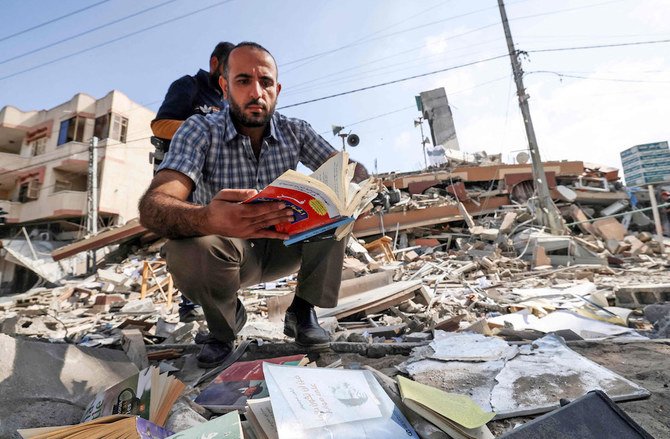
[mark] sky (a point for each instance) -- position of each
(586, 103)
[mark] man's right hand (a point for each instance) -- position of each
(226, 216)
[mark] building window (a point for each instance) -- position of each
(62, 185)
(72, 130)
(111, 126)
(37, 146)
(30, 190)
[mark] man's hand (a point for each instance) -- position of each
(225, 216)
(165, 211)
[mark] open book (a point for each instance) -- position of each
(326, 202)
(125, 426)
(148, 394)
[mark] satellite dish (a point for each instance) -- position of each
(522, 158)
(336, 129)
(353, 140)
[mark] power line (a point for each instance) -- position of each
(424, 25)
(599, 46)
(369, 38)
(70, 14)
(393, 82)
(373, 118)
(363, 39)
(39, 49)
(114, 40)
(304, 86)
(567, 75)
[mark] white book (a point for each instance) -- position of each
(322, 403)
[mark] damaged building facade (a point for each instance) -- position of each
(44, 164)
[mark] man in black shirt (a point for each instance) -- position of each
(189, 95)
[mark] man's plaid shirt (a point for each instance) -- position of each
(210, 151)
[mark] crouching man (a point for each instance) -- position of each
(217, 245)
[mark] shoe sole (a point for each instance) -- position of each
(314, 347)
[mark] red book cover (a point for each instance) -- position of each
(241, 381)
(309, 212)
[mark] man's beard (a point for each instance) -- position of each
(237, 114)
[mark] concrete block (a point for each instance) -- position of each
(540, 258)
(637, 246)
(508, 222)
(609, 228)
(580, 217)
(645, 236)
(111, 276)
(636, 296)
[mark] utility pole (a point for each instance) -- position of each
(547, 214)
(419, 121)
(92, 199)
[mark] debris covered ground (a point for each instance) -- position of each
(448, 260)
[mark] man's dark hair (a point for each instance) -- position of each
(222, 50)
(247, 44)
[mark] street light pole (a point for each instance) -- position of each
(547, 213)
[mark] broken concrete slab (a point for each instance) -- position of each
(609, 228)
(532, 382)
(45, 384)
(508, 222)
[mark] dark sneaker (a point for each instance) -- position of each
(214, 352)
(304, 328)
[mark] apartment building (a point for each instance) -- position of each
(44, 158)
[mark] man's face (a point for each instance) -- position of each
(251, 88)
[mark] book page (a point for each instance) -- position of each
(332, 174)
(361, 195)
(261, 410)
(318, 397)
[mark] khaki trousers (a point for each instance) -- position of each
(209, 270)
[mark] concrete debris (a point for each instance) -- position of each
(450, 269)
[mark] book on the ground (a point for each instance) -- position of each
(148, 394)
(324, 203)
(243, 380)
(320, 403)
(457, 415)
(113, 426)
(227, 426)
(259, 414)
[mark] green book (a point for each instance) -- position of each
(227, 426)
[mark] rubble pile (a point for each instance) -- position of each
(447, 261)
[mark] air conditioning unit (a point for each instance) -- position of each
(33, 192)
